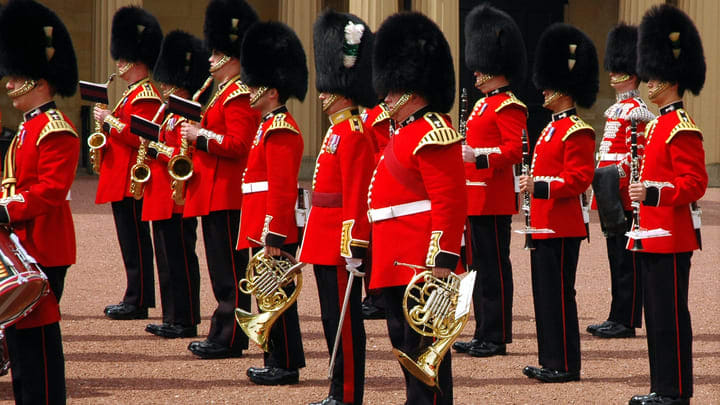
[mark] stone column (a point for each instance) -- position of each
(373, 12)
(300, 15)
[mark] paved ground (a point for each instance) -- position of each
(117, 362)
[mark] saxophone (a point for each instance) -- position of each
(97, 140)
(140, 171)
(180, 167)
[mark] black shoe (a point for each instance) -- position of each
(487, 349)
(614, 330)
(330, 401)
(112, 307)
(372, 311)
(172, 330)
(210, 350)
(274, 376)
(551, 376)
(592, 328)
(126, 311)
(655, 399)
(463, 347)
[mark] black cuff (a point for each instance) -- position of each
(146, 136)
(152, 153)
(652, 197)
(482, 162)
(541, 189)
(358, 252)
(202, 143)
(4, 216)
(273, 239)
(106, 127)
(448, 260)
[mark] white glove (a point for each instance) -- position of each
(468, 154)
(352, 264)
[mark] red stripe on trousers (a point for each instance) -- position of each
(677, 323)
(346, 339)
(562, 300)
(502, 281)
(232, 260)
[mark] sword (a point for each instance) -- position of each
(343, 311)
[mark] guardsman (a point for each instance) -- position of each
(566, 70)
(610, 184)
(181, 69)
(338, 232)
(38, 60)
(274, 68)
(672, 179)
(134, 45)
(222, 142)
(417, 194)
(495, 52)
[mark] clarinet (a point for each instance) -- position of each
(634, 178)
(526, 195)
(462, 124)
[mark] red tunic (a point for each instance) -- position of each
(422, 162)
(337, 225)
(120, 152)
(220, 158)
(158, 203)
(615, 145)
(269, 183)
(562, 169)
(377, 123)
(46, 152)
(494, 130)
(675, 176)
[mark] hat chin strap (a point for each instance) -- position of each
(662, 86)
(169, 91)
(619, 79)
(259, 93)
(329, 101)
(219, 64)
(552, 97)
(125, 68)
(26, 88)
(401, 102)
(482, 79)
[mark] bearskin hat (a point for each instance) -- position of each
(621, 49)
(226, 22)
(35, 44)
(412, 55)
(566, 61)
(136, 36)
(343, 57)
(183, 62)
(273, 56)
(670, 49)
(494, 44)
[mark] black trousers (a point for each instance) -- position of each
(227, 267)
(493, 292)
(405, 339)
(553, 267)
(348, 377)
(36, 355)
(178, 269)
(285, 348)
(626, 304)
(137, 252)
(667, 319)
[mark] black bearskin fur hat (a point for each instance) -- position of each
(665, 32)
(494, 44)
(621, 49)
(344, 67)
(35, 44)
(412, 55)
(273, 56)
(183, 62)
(226, 22)
(136, 36)
(566, 61)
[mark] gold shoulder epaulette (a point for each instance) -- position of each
(578, 125)
(241, 89)
(512, 100)
(384, 115)
(56, 123)
(147, 93)
(355, 124)
(685, 124)
(280, 123)
(441, 134)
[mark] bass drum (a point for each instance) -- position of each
(22, 283)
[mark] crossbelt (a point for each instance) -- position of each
(256, 187)
(610, 157)
(400, 210)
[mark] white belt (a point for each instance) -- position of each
(610, 157)
(475, 183)
(258, 186)
(394, 211)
